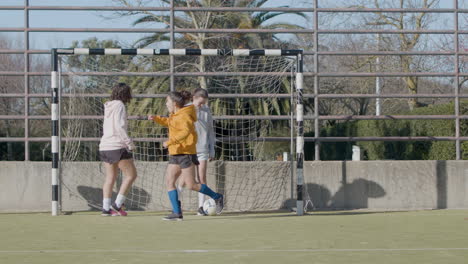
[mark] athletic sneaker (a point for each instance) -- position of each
(219, 204)
(174, 217)
(119, 211)
(110, 212)
(201, 212)
(106, 213)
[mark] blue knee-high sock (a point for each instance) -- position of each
(206, 190)
(174, 198)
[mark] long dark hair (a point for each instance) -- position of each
(180, 98)
(122, 92)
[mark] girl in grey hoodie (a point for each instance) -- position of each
(115, 150)
(206, 138)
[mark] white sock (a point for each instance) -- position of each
(106, 204)
(201, 199)
(179, 192)
(120, 200)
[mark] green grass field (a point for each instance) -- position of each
(439, 236)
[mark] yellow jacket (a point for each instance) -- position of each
(182, 133)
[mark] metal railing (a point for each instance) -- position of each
(315, 31)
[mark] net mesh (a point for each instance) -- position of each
(246, 168)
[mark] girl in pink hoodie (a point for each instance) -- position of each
(115, 150)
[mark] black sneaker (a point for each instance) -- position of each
(174, 217)
(106, 213)
(219, 204)
(201, 212)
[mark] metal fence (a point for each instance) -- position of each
(313, 52)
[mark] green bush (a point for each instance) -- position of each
(395, 150)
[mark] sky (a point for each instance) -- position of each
(91, 19)
(85, 19)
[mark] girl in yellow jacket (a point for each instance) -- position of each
(182, 144)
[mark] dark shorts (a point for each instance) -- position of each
(113, 156)
(184, 160)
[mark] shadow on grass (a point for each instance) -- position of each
(94, 198)
(285, 213)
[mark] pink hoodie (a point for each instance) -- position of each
(115, 134)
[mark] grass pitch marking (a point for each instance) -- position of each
(195, 251)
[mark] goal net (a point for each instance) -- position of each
(252, 104)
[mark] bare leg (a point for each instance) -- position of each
(202, 171)
(111, 175)
(130, 174)
(172, 174)
(188, 176)
(201, 177)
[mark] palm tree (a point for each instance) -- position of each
(205, 20)
(212, 20)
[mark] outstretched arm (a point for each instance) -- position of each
(163, 121)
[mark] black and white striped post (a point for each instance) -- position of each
(175, 52)
(300, 135)
(55, 133)
(179, 52)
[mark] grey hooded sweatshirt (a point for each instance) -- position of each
(205, 131)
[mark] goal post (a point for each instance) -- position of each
(300, 135)
(56, 115)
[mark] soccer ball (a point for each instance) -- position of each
(209, 207)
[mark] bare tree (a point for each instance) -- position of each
(406, 42)
(10, 84)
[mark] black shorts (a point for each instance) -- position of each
(184, 160)
(113, 156)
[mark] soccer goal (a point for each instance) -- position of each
(255, 97)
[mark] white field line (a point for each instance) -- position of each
(232, 250)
